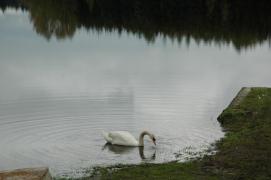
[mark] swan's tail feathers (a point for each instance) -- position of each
(106, 137)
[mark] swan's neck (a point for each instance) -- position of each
(141, 137)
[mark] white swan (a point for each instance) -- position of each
(124, 138)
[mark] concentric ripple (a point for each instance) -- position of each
(65, 133)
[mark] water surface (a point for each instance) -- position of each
(57, 96)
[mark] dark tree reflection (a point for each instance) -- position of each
(242, 23)
(17, 4)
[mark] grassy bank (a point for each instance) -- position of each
(244, 152)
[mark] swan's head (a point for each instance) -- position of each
(153, 139)
(151, 136)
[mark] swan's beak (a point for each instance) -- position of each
(154, 141)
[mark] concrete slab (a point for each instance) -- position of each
(240, 96)
(26, 174)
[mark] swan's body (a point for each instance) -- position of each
(124, 138)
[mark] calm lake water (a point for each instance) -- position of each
(57, 95)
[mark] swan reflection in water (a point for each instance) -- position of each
(128, 149)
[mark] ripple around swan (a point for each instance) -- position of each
(46, 131)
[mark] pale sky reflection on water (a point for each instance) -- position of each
(57, 96)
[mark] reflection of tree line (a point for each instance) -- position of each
(5, 4)
(244, 23)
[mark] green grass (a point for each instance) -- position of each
(244, 152)
(173, 170)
